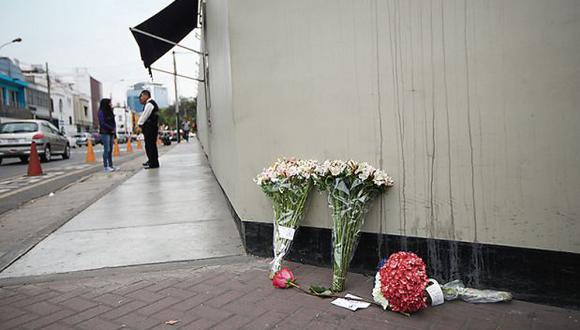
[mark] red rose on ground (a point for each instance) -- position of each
(283, 278)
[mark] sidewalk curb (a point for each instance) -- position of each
(134, 269)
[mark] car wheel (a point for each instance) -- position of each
(46, 157)
(23, 159)
(66, 154)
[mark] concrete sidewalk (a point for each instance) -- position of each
(163, 247)
(174, 213)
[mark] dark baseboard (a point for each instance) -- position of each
(533, 275)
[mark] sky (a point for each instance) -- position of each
(95, 35)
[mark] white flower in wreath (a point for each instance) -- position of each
(378, 294)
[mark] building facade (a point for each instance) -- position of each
(82, 113)
(12, 92)
(37, 98)
(470, 106)
(123, 120)
(61, 95)
(96, 96)
(158, 93)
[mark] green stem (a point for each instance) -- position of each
(330, 295)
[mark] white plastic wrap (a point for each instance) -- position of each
(351, 186)
(287, 183)
(457, 290)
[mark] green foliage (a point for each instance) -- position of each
(187, 111)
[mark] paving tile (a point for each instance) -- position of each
(234, 322)
(158, 305)
(172, 314)
(7, 313)
(124, 309)
(17, 322)
(225, 298)
(47, 320)
(111, 299)
(145, 295)
(97, 323)
(78, 304)
(137, 321)
(192, 302)
(210, 313)
(86, 315)
(199, 324)
(266, 320)
(43, 308)
(178, 293)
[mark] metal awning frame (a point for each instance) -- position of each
(174, 44)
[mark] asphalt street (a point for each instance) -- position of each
(11, 167)
(16, 188)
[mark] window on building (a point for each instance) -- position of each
(86, 111)
(1, 96)
(70, 120)
(13, 98)
(60, 105)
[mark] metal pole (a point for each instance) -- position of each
(49, 97)
(164, 40)
(176, 98)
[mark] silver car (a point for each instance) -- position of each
(17, 136)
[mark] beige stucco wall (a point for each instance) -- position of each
(471, 106)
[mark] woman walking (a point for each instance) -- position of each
(107, 130)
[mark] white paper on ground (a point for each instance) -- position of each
(286, 232)
(353, 305)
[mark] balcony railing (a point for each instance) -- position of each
(15, 112)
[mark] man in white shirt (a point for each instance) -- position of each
(148, 122)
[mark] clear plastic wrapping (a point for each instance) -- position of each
(351, 187)
(289, 209)
(457, 290)
(287, 183)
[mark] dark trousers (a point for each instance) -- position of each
(151, 147)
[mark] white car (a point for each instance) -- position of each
(17, 136)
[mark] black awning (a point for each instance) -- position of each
(173, 23)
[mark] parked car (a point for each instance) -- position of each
(165, 137)
(16, 138)
(122, 138)
(72, 141)
(82, 139)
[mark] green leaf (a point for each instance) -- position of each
(320, 291)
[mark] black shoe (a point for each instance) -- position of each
(151, 167)
(146, 163)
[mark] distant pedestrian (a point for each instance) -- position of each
(107, 129)
(148, 122)
(186, 130)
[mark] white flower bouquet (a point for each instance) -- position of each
(287, 183)
(351, 186)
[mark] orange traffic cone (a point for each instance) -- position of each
(90, 153)
(116, 152)
(34, 168)
(129, 146)
(139, 146)
(159, 141)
